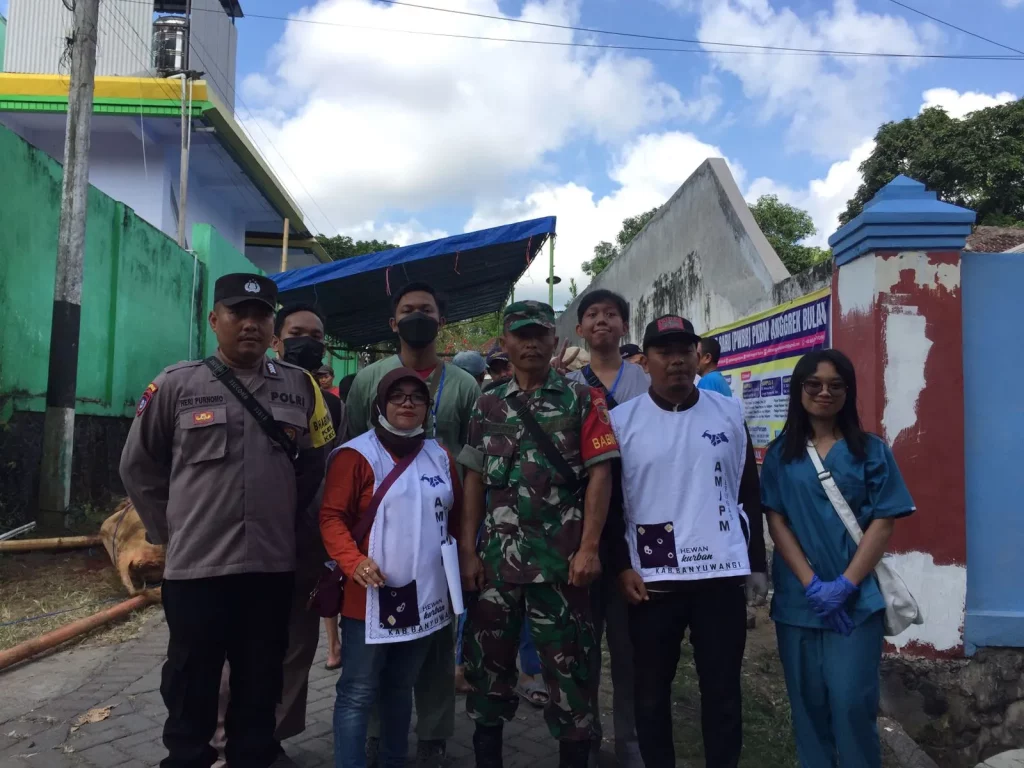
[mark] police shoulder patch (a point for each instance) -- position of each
(145, 399)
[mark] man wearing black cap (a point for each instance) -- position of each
(631, 353)
(498, 368)
(693, 541)
(211, 483)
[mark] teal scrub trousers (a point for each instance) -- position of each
(833, 690)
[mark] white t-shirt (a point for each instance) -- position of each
(681, 475)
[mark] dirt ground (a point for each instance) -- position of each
(767, 728)
(71, 585)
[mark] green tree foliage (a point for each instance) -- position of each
(786, 226)
(976, 162)
(479, 333)
(343, 247)
(604, 251)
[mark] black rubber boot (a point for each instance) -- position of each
(573, 754)
(487, 746)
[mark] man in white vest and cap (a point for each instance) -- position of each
(693, 541)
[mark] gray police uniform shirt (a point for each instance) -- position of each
(632, 383)
(206, 479)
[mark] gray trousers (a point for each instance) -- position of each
(609, 610)
(434, 692)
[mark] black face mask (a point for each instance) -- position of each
(417, 330)
(304, 351)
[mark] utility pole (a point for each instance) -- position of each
(62, 380)
(186, 127)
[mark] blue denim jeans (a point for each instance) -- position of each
(529, 661)
(368, 673)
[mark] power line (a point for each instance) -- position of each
(252, 116)
(307, 218)
(945, 23)
(748, 48)
(766, 51)
(246, 192)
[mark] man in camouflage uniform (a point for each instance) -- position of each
(538, 551)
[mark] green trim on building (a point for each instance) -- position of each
(103, 106)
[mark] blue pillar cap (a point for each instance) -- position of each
(903, 216)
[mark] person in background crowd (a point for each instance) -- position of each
(224, 497)
(829, 616)
(710, 377)
(631, 353)
(345, 386)
(693, 539)
(418, 313)
(603, 320)
(473, 363)
(539, 548)
(387, 633)
(325, 377)
(498, 368)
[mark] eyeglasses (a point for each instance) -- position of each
(835, 388)
(398, 397)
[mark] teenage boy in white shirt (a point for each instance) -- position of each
(603, 321)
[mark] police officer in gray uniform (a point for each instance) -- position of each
(211, 484)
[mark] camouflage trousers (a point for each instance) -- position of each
(562, 632)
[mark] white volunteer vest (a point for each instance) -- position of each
(405, 541)
(680, 481)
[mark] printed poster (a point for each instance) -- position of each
(760, 352)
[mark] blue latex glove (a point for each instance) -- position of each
(827, 597)
(839, 621)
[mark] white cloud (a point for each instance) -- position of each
(826, 198)
(374, 121)
(823, 198)
(648, 171)
(830, 103)
(1012, 3)
(959, 105)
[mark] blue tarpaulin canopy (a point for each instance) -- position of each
(474, 272)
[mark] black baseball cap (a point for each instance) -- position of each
(667, 327)
(628, 350)
(231, 290)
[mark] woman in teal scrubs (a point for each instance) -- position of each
(827, 608)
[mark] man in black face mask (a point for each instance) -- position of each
(299, 340)
(417, 316)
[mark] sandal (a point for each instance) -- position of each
(533, 692)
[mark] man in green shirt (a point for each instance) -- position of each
(417, 315)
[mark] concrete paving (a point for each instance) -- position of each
(128, 680)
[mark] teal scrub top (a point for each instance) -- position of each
(873, 487)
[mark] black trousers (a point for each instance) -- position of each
(715, 613)
(242, 618)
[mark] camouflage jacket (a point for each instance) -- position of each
(533, 520)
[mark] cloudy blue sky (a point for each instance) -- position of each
(409, 137)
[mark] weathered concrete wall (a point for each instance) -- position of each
(701, 256)
(960, 711)
(144, 307)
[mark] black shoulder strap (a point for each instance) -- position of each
(547, 447)
(227, 377)
(595, 382)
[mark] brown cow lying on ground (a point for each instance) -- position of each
(139, 563)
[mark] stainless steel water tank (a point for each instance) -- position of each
(170, 42)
